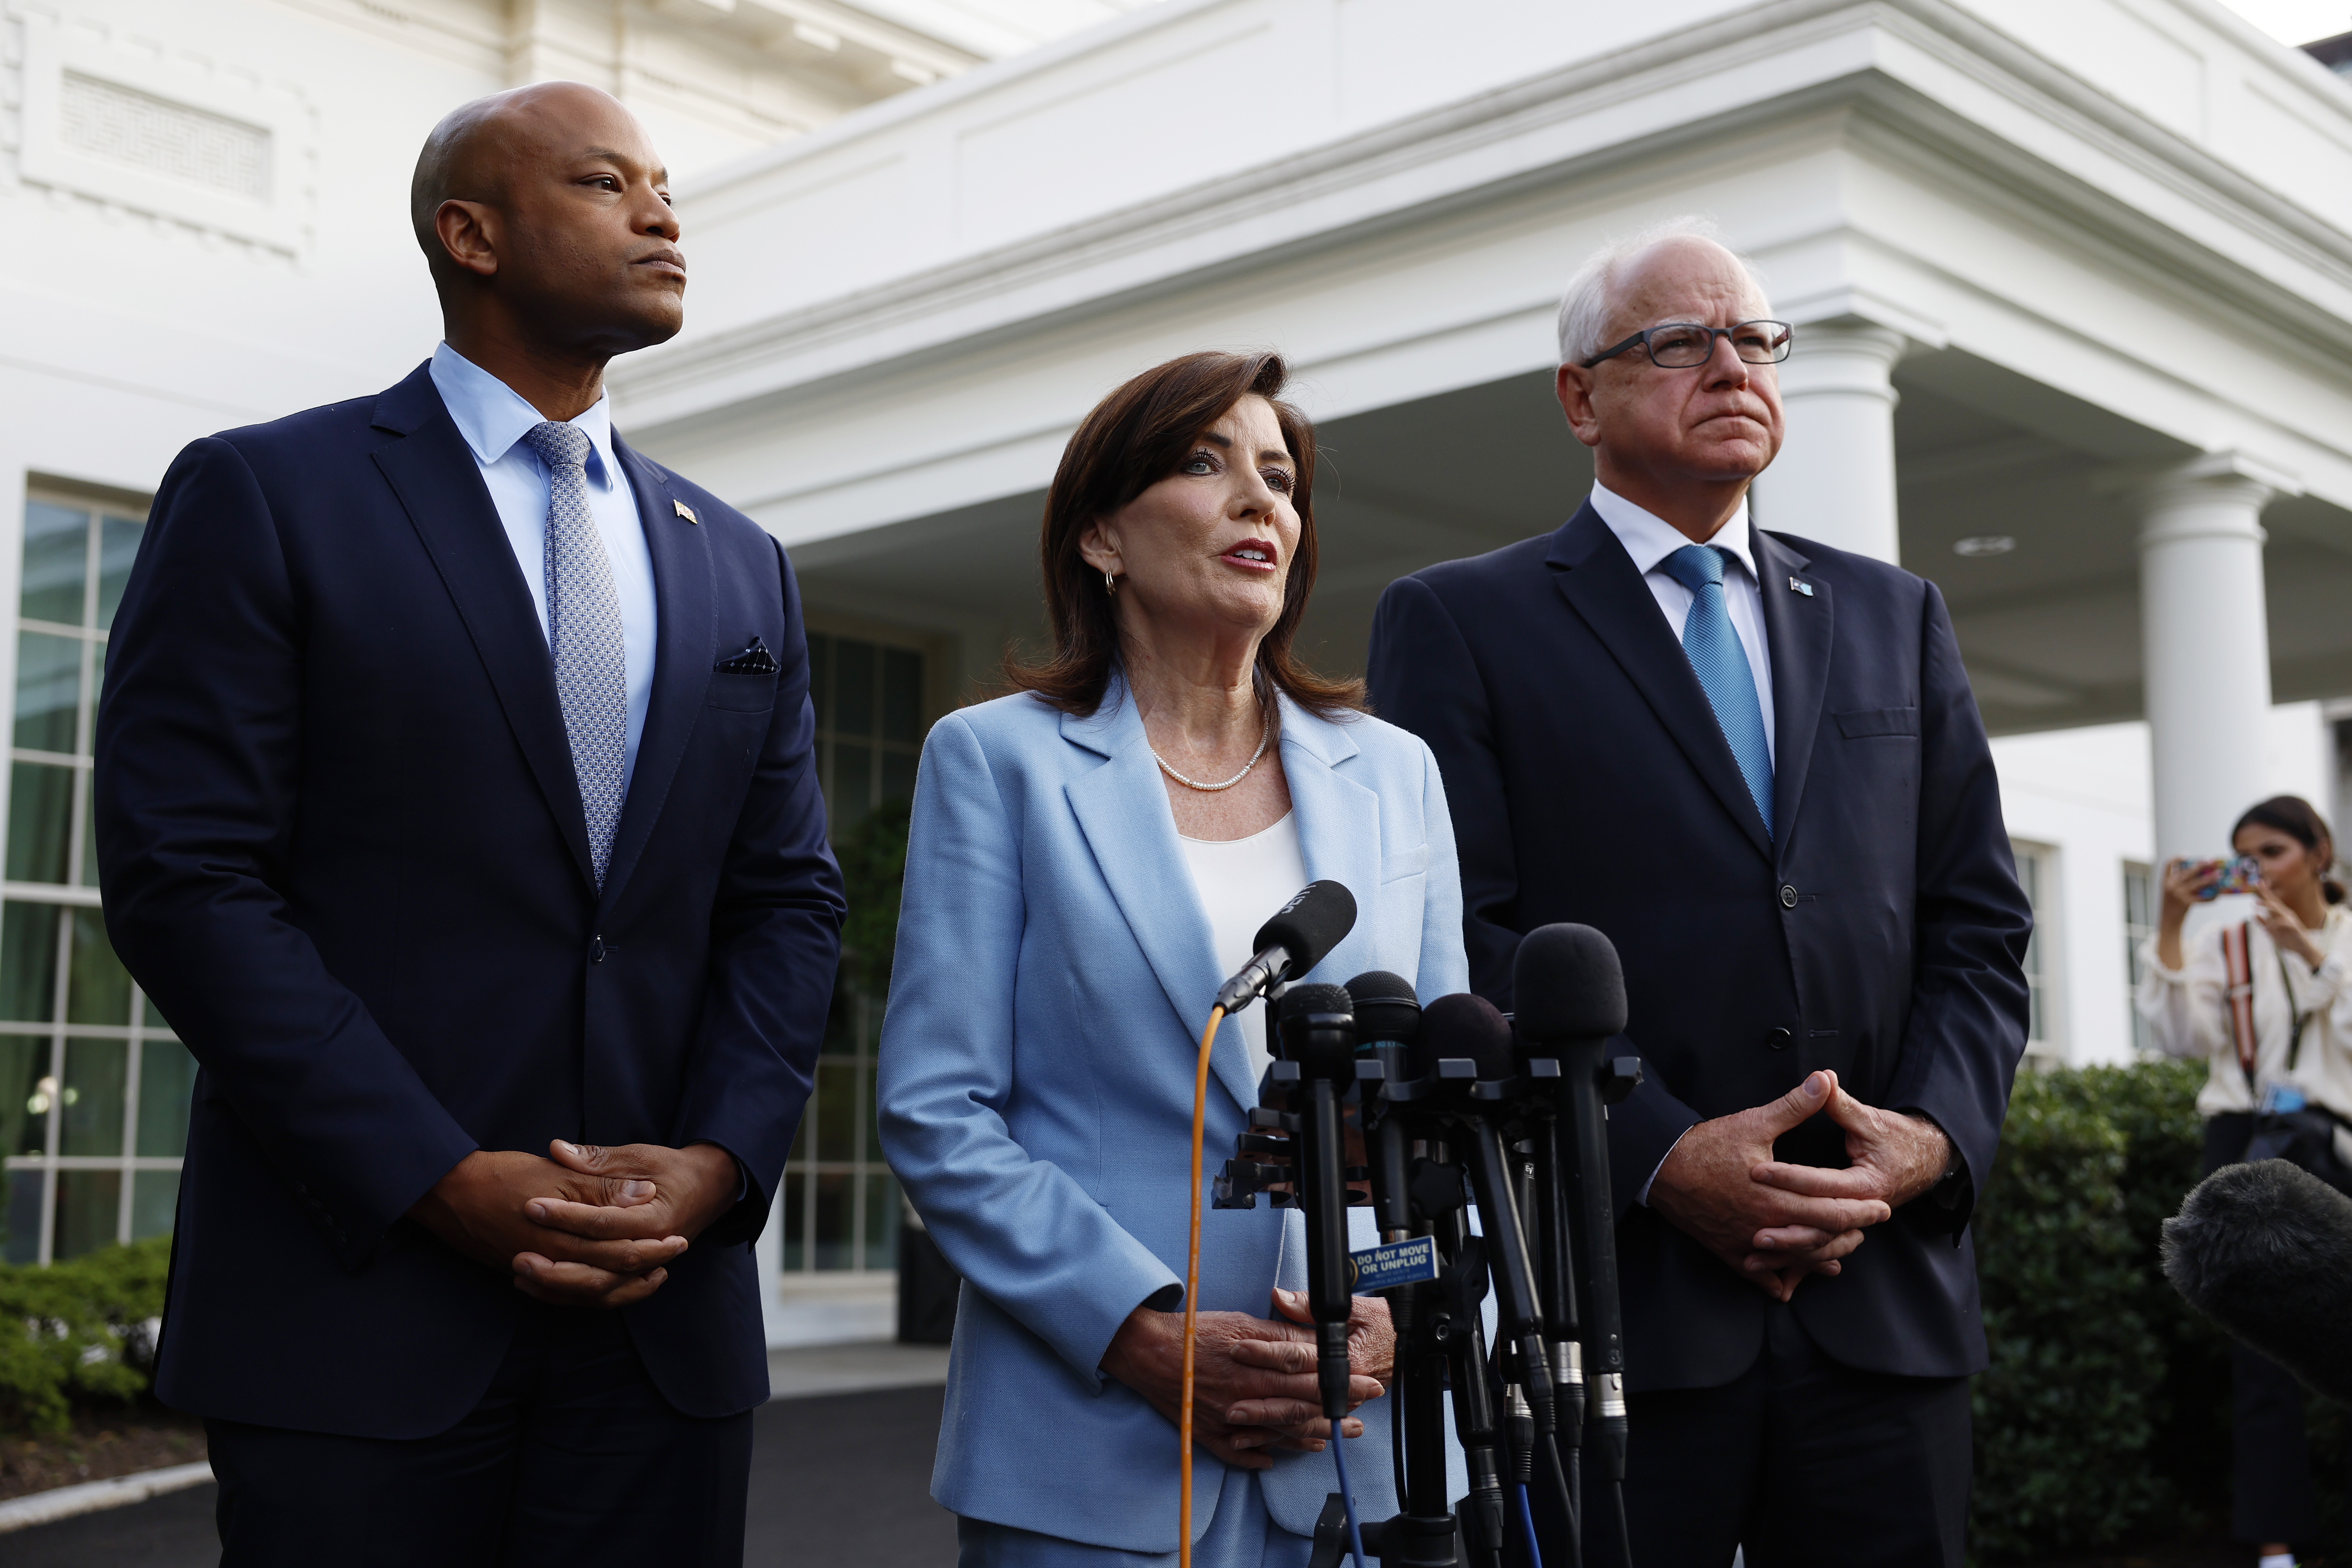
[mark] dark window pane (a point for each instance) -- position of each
(154, 1019)
(57, 557)
(872, 1152)
(40, 821)
(89, 830)
(97, 988)
(795, 1222)
(853, 785)
(882, 1222)
(853, 687)
(902, 694)
(836, 1109)
(167, 1087)
(28, 961)
(24, 1104)
(89, 1213)
(835, 1195)
(97, 1074)
(48, 690)
(821, 679)
(154, 1196)
(897, 775)
(118, 546)
(25, 1191)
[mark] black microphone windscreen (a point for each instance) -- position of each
(1325, 1052)
(1386, 1006)
(1462, 1025)
(2266, 1250)
(1566, 984)
(1310, 925)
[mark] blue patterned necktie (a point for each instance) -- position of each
(1712, 646)
(584, 634)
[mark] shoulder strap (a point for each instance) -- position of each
(2237, 960)
(2286, 983)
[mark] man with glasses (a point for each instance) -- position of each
(1754, 763)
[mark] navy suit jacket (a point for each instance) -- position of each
(342, 848)
(1882, 934)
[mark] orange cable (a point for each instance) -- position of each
(1192, 1292)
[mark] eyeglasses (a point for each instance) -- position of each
(1685, 345)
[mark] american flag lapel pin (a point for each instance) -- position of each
(687, 513)
(1801, 587)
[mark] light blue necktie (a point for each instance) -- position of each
(584, 634)
(1712, 646)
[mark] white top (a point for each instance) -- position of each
(1649, 539)
(1242, 883)
(493, 419)
(2189, 1013)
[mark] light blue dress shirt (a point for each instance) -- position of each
(493, 419)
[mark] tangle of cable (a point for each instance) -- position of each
(1193, 1297)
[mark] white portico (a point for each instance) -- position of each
(2077, 277)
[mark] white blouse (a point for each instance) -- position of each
(1242, 883)
(2189, 1012)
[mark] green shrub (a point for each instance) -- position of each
(873, 856)
(77, 1330)
(2097, 1420)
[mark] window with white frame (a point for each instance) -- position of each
(2141, 891)
(2035, 868)
(94, 1089)
(840, 1202)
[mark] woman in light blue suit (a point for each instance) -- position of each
(1089, 858)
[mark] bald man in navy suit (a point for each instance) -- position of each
(1755, 763)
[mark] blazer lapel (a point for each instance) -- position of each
(685, 649)
(1339, 829)
(1797, 627)
(433, 472)
(1597, 578)
(1122, 809)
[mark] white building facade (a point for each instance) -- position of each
(2072, 287)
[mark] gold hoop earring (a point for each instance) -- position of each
(1110, 584)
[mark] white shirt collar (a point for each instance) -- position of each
(1649, 539)
(492, 416)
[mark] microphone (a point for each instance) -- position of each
(2266, 1250)
(1319, 1032)
(1570, 993)
(1292, 942)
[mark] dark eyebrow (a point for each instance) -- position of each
(1224, 441)
(1276, 455)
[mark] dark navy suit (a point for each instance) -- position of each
(1880, 933)
(343, 850)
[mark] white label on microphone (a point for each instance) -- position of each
(1396, 1263)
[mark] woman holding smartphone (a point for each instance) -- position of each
(2264, 1000)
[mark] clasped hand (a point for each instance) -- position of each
(1253, 1384)
(589, 1226)
(1774, 1223)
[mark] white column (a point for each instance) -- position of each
(2205, 646)
(1835, 479)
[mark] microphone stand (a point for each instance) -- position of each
(1588, 1084)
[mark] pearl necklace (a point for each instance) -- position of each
(1264, 736)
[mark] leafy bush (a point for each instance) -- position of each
(873, 856)
(79, 1330)
(2103, 1415)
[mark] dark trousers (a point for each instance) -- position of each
(1804, 1463)
(2270, 1494)
(572, 1456)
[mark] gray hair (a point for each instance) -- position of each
(1584, 308)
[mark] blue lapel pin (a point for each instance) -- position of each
(1804, 588)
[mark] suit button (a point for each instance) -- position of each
(1788, 897)
(596, 951)
(1779, 1039)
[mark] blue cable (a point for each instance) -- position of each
(1347, 1493)
(1527, 1523)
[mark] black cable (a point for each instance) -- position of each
(1575, 1558)
(1396, 1438)
(1625, 1534)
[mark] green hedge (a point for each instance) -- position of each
(2104, 1417)
(77, 1330)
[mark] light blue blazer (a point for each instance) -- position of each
(1054, 969)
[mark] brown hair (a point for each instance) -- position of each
(1132, 440)
(2295, 816)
